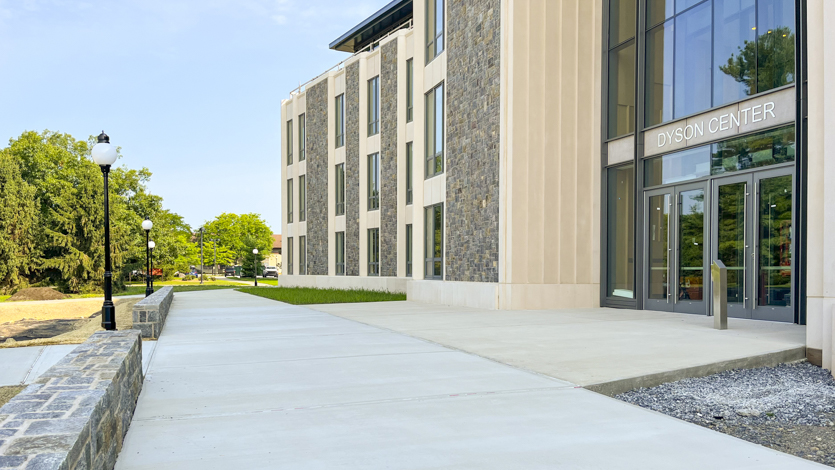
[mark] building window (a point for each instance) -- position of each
(302, 138)
(410, 89)
(340, 189)
(374, 106)
(290, 255)
(374, 181)
(434, 242)
(290, 201)
(340, 253)
(302, 255)
(374, 252)
(620, 225)
(704, 54)
(434, 29)
(435, 131)
(290, 142)
(622, 27)
(302, 199)
(409, 244)
(340, 120)
(409, 173)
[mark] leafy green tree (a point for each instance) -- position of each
(251, 261)
(18, 219)
(764, 64)
(233, 230)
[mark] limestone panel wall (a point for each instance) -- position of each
(352, 165)
(388, 160)
(316, 149)
(473, 135)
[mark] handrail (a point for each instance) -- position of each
(374, 45)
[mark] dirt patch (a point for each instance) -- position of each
(7, 393)
(37, 293)
(53, 310)
(72, 331)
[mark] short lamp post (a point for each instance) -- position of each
(255, 265)
(151, 246)
(147, 225)
(105, 155)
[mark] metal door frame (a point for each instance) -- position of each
(735, 309)
(698, 308)
(655, 304)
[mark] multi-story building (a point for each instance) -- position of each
(530, 154)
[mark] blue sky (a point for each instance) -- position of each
(191, 89)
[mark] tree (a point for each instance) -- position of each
(251, 259)
(18, 219)
(764, 64)
(233, 230)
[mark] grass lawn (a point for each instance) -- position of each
(266, 282)
(4, 297)
(181, 287)
(308, 296)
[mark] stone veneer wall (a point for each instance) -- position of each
(76, 415)
(388, 160)
(472, 149)
(316, 152)
(150, 313)
(352, 169)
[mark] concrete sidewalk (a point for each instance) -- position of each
(239, 381)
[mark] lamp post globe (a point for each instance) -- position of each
(147, 225)
(151, 246)
(255, 265)
(105, 155)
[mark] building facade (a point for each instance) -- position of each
(534, 154)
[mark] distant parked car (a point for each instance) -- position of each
(229, 271)
(271, 271)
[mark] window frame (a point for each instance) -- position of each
(339, 121)
(434, 161)
(290, 200)
(373, 181)
(410, 172)
(302, 136)
(410, 90)
(290, 255)
(302, 198)
(409, 246)
(435, 41)
(289, 142)
(373, 100)
(373, 252)
(339, 176)
(302, 255)
(340, 253)
(437, 242)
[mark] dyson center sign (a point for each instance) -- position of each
(724, 122)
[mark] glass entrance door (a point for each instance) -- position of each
(675, 249)
(753, 236)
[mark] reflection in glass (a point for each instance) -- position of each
(622, 23)
(659, 74)
(658, 11)
(775, 45)
(763, 149)
(691, 245)
(622, 90)
(658, 249)
(731, 235)
(682, 5)
(693, 61)
(434, 242)
(340, 253)
(734, 26)
(677, 167)
(774, 286)
(621, 232)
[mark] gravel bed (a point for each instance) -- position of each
(790, 407)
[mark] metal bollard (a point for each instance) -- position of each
(719, 277)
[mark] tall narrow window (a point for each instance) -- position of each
(340, 189)
(409, 173)
(435, 131)
(409, 243)
(410, 89)
(775, 44)
(289, 261)
(622, 29)
(290, 201)
(302, 255)
(620, 251)
(692, 82)
(374, 106)
(374, 252)
(302, 199)
(340, 120)
(434, 242)
(340, 253)
(290, 142)
(302, 138)
(374, 181)
(434, 29)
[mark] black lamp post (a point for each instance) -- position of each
(201, 255)
(147, 225)
(105, 155)
(151, 246)
(255, 265)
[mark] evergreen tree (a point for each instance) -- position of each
(18, 219)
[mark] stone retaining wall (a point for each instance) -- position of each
(76, 415)
(149, 314)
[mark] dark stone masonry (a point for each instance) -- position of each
(76, 415)
(352, 169)
(316, 150)
(472, 158)
(388, 159)
(150, 313)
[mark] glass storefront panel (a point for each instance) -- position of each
(693, 61)
(658, 246)
(677, 167)
(774, 284)
(775, 44)
(691, 223)
(758, 150)
(734, 26)
(658, 11)
(731, 237)
(622, 90)
(659, 77)
(621, 21)
(682, 5)
(621, 232)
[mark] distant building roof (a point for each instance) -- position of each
(276, 241)
(389, 18)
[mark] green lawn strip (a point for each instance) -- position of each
(4, 297)
(309, 296)
(271, 282)
(139, 290)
